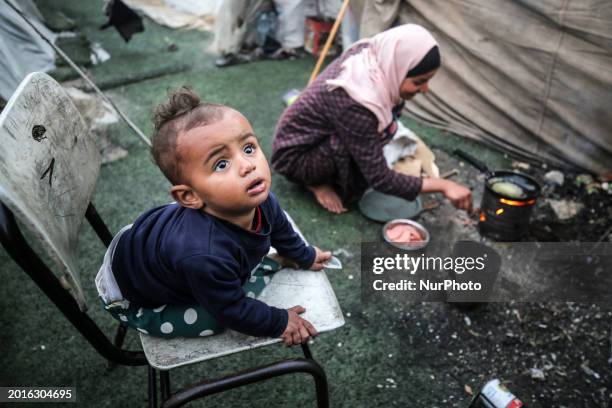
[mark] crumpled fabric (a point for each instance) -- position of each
(22, 50)
(533, 78)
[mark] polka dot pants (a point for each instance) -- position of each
(185, 321)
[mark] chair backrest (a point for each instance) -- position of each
(49, 164)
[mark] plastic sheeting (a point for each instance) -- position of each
(193, 14)
(235, 23)
(22, 50)
(533, 77)
(291, 15)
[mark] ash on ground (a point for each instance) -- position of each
(572, 206)
(548, 354)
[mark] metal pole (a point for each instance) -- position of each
(328, 43)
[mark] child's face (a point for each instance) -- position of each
(224, 169)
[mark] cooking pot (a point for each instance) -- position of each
(504, 212)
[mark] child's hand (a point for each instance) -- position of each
(320, 258)
(298, 330)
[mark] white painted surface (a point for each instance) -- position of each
(47, 177)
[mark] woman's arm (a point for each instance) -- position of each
(358, 129)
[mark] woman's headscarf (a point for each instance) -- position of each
(373, 76)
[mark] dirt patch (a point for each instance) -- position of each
(548, 354)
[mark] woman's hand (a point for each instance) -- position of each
(460, 196)
(320, 258)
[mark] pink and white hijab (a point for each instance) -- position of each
(373, 76)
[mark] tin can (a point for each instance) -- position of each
(495, 395)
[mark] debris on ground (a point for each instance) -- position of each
(521, 165)
(537, 373)
(555, 177)
(98, 115)
(565, 209)
(98, 54)
(556, 356)
(588, 371)
(342, 252)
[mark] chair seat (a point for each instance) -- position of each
(289, 287)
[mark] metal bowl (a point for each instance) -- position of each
(407, 246)
(385, 207)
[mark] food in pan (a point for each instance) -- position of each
(507, 189)
(401, 232)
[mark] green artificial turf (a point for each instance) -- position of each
(39, 347)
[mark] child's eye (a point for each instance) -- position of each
(221, 165)
(249, 149)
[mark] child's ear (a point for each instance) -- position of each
(185, 196)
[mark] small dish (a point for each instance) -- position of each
(408, 246)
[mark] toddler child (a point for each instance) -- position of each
(193, 268)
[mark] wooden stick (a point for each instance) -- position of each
(329, 41)
(449, 173)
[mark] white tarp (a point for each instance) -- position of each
(192, 14)
(22, 50)
(533, 77)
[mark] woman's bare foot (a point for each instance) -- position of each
(328, 198)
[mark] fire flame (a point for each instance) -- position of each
(517, 203)
(499, 211)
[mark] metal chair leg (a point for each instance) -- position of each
(306, 350)
(321, 387)
(152, 388)
(320, 379)
(298, 365)
(164, 377)
(120, 335)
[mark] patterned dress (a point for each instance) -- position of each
(326, 137)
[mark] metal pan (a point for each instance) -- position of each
(530, 187)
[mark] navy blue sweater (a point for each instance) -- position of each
(176, 255)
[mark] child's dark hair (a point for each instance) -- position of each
(182, 111)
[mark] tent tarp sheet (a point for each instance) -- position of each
(22, 50)
(533, 76)
(193, 14)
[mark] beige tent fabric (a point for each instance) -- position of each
(533, 77)
(193, 15)
(235, 22)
